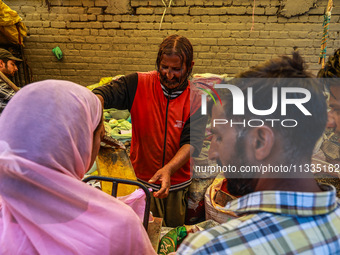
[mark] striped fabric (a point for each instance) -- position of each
(173, 94)
(6, 93)
(274, 222)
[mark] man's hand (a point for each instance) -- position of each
(163, 175)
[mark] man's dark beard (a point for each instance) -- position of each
(7, 72)
(181, 83)
(239, 183)
(170, 84)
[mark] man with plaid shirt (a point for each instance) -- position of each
(8, 68)
(282, 209)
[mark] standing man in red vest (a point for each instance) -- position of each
(163, 116)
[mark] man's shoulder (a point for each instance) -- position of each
(250, 233)
(226, 231)
(147, 77)
(4, 87)
(2, 83)
(148, 73)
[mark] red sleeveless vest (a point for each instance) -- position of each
(157, 126)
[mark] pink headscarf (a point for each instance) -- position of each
(45, 149)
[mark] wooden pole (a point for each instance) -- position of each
(9, 82)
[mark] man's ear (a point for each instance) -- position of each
(2, 64)
(189, 70)
(262, 142)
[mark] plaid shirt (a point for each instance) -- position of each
(274, 222)
(6, 93)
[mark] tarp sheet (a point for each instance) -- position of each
(11, 28)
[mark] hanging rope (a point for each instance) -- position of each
(326, 20)
(48, 5)
(160, 24)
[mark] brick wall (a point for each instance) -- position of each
(102, 38)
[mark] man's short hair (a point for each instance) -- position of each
(332, 67)
(331, 70)
(300, 140)
(177, 45)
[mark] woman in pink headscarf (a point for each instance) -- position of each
(50, 136)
